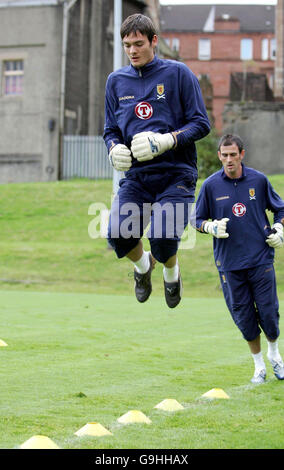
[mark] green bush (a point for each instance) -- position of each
(207, 158)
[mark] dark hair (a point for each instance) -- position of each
(138, 22)
(229, 139)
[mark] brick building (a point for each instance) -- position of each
(218, 41)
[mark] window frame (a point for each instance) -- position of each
(264, 49)
(249, 41)
(7, 90)
(175, 44)
(207, 55)
(272, 49)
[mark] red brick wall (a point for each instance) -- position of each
(279, 66)
(225, 59)
(225, 25)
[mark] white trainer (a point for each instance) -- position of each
(259, 377)
(278, 368)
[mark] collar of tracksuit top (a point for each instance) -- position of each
(243, 175)
(146, 70)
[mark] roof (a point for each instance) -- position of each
(28, 3)
(253, 18)
(35, 3)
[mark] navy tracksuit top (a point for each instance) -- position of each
(163, 96)
(244, 201)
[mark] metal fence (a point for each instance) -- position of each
(85, 157)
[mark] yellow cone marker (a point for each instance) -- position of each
(2, 343)
(169, 404)
(134, 416)
(93, 429)
(216, 393)
(39, 442)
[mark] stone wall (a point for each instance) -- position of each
(261, 126)
(29, 121)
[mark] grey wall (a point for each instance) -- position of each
(261, 126)
(25, 138)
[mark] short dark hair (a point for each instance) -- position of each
(229, 139)
(138, 22)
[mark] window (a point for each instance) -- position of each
(246, 49)
(264, 49)
(13, 77)
(167, 41)
(175, 44)
(204, 49)
(273, 49)
(268, 51)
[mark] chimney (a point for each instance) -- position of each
(225, 22)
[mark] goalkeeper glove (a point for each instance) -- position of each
(217, 228)
(275, 239)
(147, 145)
(120, 157)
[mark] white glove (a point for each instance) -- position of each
(147, 145)
(120, 157)
(275, 240)
(217, 228)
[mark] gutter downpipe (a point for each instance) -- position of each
(117, 63)
(66, 8)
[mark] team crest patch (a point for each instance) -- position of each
(160, 91)
(251, 193)
(144, 110)
(239, 209)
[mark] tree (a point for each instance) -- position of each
(207, 159)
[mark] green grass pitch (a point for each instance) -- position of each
(82, 349)
(78, 358)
